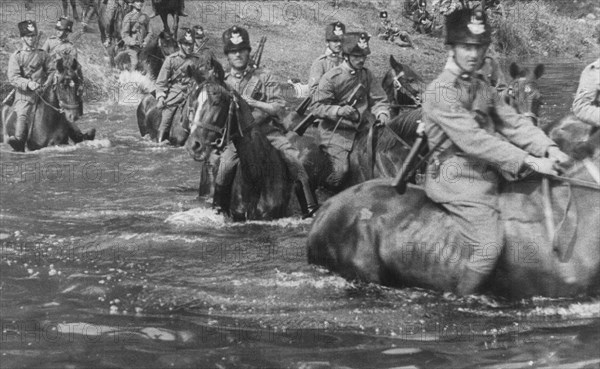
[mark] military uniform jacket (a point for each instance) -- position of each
(206, 57)
(334, 90)
(586, 105)
(28, 65)
(492, 74)
(486, 137)
(55, 47)
(172, 81)
(135, 28)
(322, 65)
(260, 85)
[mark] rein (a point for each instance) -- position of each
(411, 93)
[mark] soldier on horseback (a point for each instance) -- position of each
(206, 56)
(586, 105)
(340, 120)
(332, 57)
(111, 11)
(172, 81)
(135, 32)
(463, 118)
(262, 92)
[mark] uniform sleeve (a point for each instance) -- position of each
(125, 29)
(14, 73)
(464, 131)
(49, 65)
(378, 101)
(324, 103)
(162, 81)
(585, 107)
(519, 129)
(272, 92)
(316, 72)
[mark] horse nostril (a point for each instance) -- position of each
(196, 145)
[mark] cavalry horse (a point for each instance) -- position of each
(371, 233)
(153, 55)
(56, 106)
(378, 152)
(165, 7)
(149, 116)
(262, 186)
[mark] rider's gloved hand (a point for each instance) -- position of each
(161, 103)
(556, 155)
(384, 118)
(33, 85)
(542, 165)
(348, 112)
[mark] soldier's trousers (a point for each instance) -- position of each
(338, 157)
(133, 57)
(481, 238)
(168, 113)
(23, 109)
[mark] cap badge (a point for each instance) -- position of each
(236, 38)
(58, 24)
(188, 37)
(362, 43)
(30, 27)
(337, 30)
(476, 25)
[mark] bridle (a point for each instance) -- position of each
(514, 101)
(61, 104)
(398, 86)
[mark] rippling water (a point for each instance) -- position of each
(109, 259)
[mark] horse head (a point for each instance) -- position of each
(167, 43)
(402, 85)
(523, 93)
(68, 86)
(211, 106)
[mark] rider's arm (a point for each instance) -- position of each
(271, 101)
(324, 103)
(14, 73)
(464, 131)
(518, 128)
(125, 36)
(162, 81)
(316, 72)
(585, 107)
(378, 100)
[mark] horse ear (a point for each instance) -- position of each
(538, 71)
(395, 65)
(514, 70)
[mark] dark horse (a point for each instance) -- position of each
(57, 105)
(166, 7)
(371, 233)
(262, 185)
(153, 55)
(149, 116)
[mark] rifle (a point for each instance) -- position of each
(257, 56)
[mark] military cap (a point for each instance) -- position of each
(64, 24)
(356, 43)
(383, 14)
(235, 39)
(28, 28)
(334, 31)
(186, 36)
(468, 26)
(199, 32)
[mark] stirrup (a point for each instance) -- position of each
(311, 211)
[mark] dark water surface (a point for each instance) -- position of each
(110, 260)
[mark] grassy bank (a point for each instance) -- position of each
(295, 32)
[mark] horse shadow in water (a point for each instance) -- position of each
(149, 116)
(55, 107)
(262, 185)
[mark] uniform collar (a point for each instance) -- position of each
(453, 68)
(27, 48)
(347, 67)
(238, 75)
(330, 53)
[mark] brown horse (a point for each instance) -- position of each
(57, 105)
(164, 8)
(403, 87)
(262, 185)
(149, 116)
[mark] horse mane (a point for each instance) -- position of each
(404, 125)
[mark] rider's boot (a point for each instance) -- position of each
(16, 143)
(222, 199)
(311, 203)
(162, 136)
(470, 282)
(90, 135)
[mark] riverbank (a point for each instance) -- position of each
(295, 36)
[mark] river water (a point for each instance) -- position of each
(110, 260)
